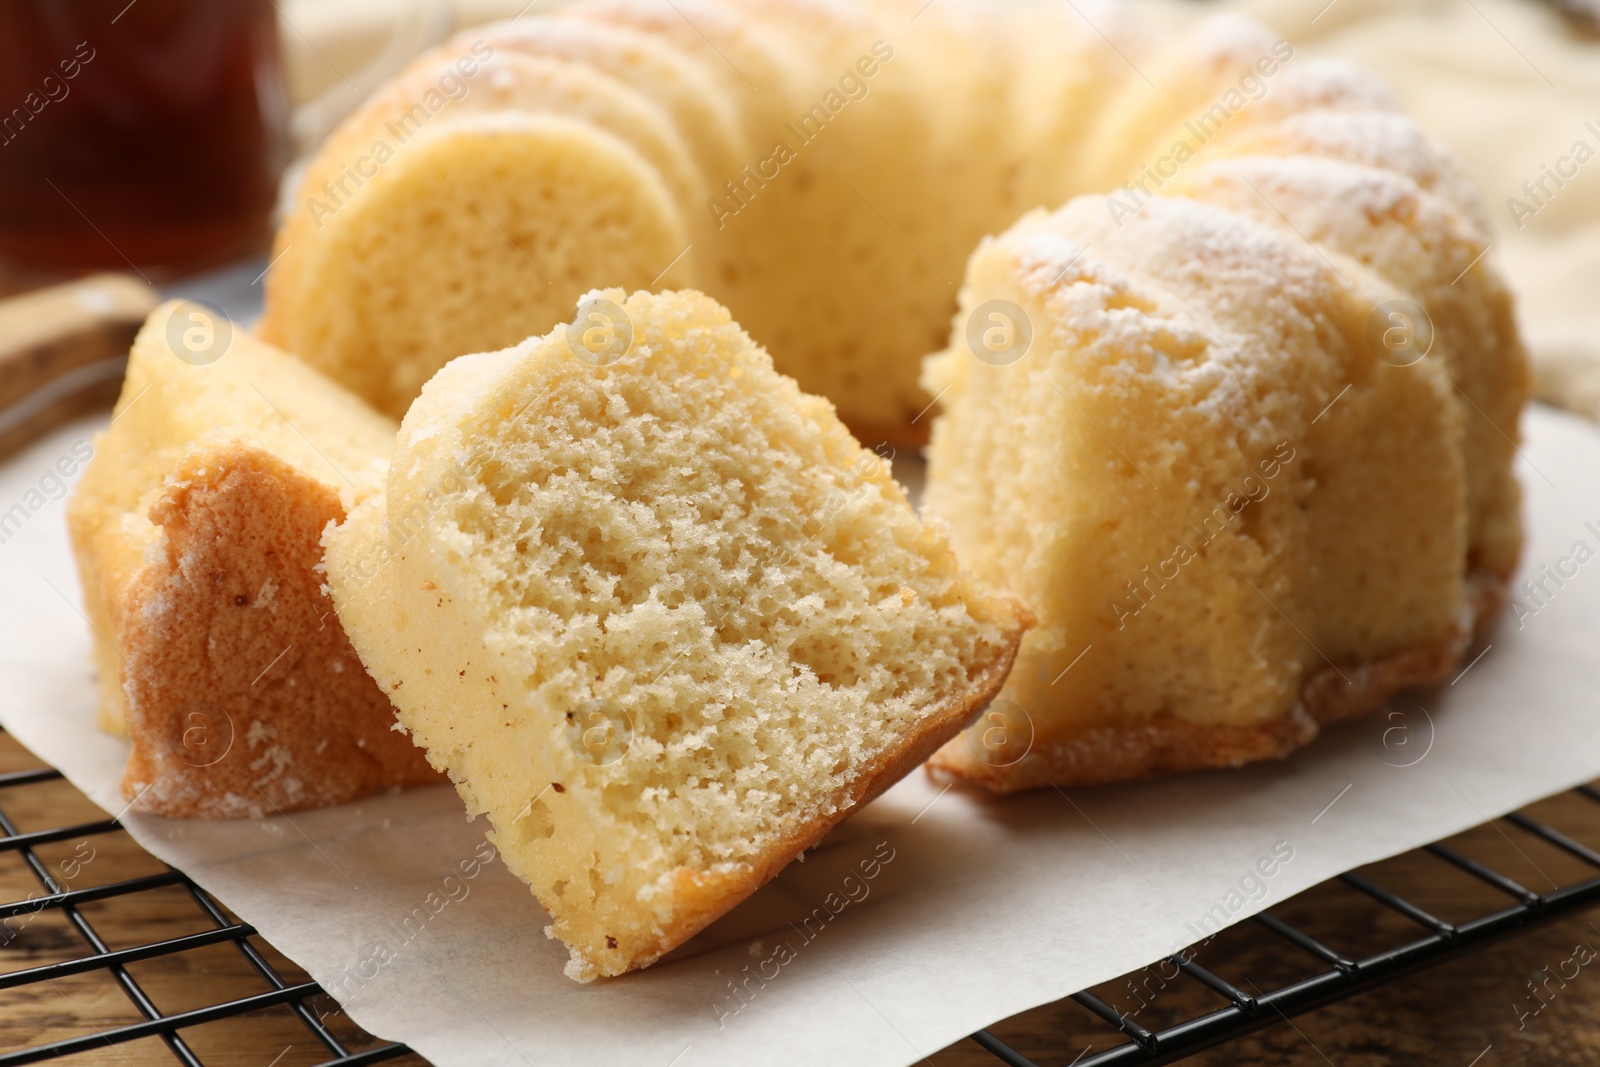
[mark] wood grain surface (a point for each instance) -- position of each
(63, 349)
(78, 1005)
(1480, 1011)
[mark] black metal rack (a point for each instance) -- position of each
(1335, 976)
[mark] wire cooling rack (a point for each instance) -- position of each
(91, 916)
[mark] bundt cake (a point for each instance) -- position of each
(658, 615)
(822, 167)
(1237, 423)
(197, 529)
(1254, 474)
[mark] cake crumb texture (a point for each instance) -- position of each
(658, 615)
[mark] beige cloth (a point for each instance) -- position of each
(1507, 83)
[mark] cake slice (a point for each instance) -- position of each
(479, 208)
(197, 529)
(658, 614)
(1233, 491)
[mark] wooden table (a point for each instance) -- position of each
(1465, 1013)
(39, 1013)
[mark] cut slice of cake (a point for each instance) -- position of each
(658, 614)
(197, 529)
(1230, 471)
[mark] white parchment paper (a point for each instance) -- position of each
(926, 916)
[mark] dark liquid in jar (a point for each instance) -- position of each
(147, 135)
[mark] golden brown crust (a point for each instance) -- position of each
(244, 695)
(702, 897)
(107, 555)
(1170, 746)
(912, 434)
